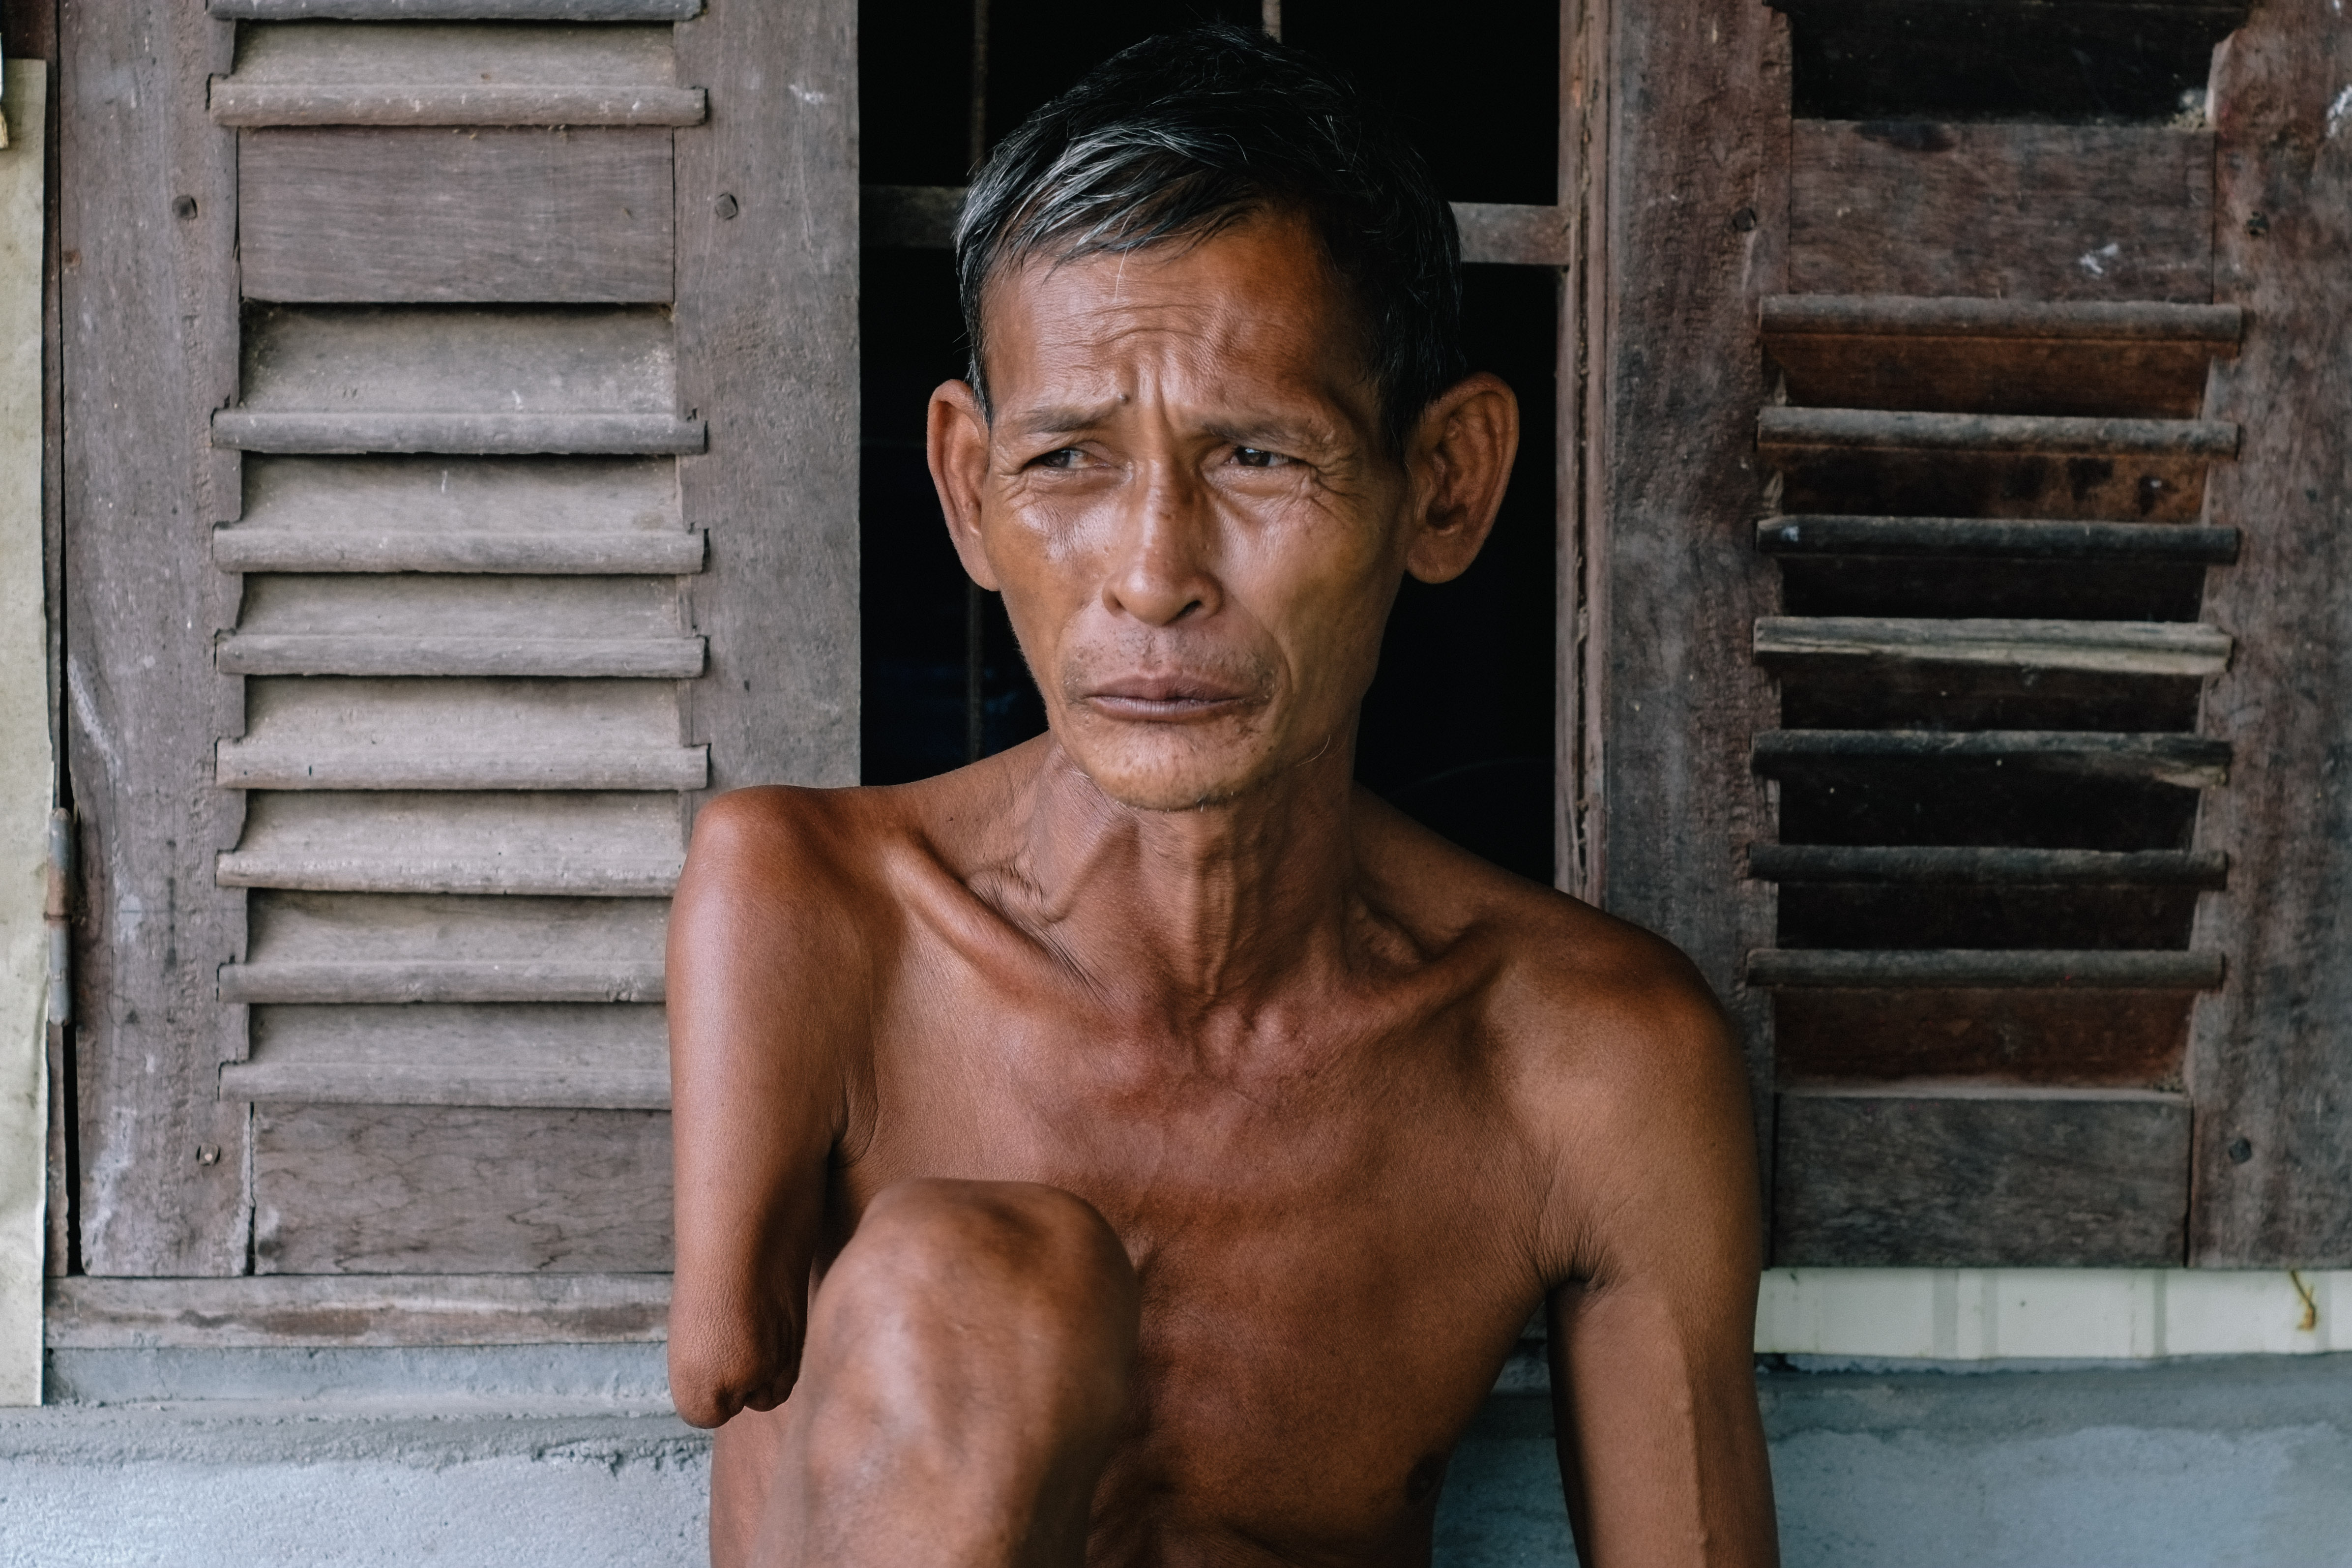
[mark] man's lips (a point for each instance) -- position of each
(1164, 697)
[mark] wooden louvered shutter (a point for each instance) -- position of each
(1960, 572)
(533, 454)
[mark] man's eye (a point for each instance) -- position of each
(1059, 457)
(1257, 458)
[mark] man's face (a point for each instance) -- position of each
(1186, 505)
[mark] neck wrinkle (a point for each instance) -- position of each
(1189, 909)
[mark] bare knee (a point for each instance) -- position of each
(1029, 1272)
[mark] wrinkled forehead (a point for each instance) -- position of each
(1256, 310)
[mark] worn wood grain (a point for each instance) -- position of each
(537, 554)
(401, 215)
(303, 431)
(2031, 212)
(1927, 863)
(587, 844)
(767, 344)
(375, 980)
(147, 224)
(1982, 1178)
(406, 1190)
(1582, 364)
(2269, 1061)
(2190, 762)
(2015, 539)
(357, 948)
(319, 653)
(427, 73)
(2104, 1038)
(1698, 144)
(328, 1312)
(2041, 434)
(1980, 968)
(592, 1055)
(455, 10)
(430, 495)
(2108, 647)
(600, 609)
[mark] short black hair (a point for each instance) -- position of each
(1190, 133)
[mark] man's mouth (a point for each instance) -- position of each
(1165, 699)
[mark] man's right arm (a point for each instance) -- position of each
(757, 1096)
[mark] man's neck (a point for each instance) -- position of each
(1215, 904)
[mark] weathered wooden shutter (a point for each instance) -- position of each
(527, 426)
(1943, 623)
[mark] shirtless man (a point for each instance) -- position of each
(1144, 1147)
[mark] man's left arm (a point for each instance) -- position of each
(1654, 1389)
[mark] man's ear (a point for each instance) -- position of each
(957, 439)
(1461, 464)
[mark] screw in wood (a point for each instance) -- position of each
(2239, 1150)
(184, 207)
(727, 208)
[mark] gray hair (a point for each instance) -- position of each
(1189, 134)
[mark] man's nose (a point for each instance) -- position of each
(1163, 570)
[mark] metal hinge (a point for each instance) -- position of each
(58, 911)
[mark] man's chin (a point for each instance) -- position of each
(1188, 781)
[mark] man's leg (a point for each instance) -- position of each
(966, 1369)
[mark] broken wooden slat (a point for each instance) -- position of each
(2035, 434)
(2110, 648)
(2025, 539)
(253, 653)
(380, 981)
(455, 10)
(1910, 863)
(1904, 315)
(2012, 210)
(248, 548)
(618, 435)
(2002, 967)
(593, 845)
(923, 218)
(326, 1311)
(403, 1190)
(2192, 761)
(493, 215)
(1981, 1176)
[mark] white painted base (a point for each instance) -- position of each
(2071, 1315)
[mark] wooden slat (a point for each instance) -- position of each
(253, 104)
(410, 214)
(253, 653)
(1981, 1178)
(597, 846)
(359, 980)
(767, 339)
(594, 1057)
(148, 328)
(324, 379)
(455, 10)
(2268, 1058)
(1696, 134)
(2024, 433)
(2110, 648)
(2013, 211)
(2018, 968)
(923, 218)
(1906, 315)
(459, 733)
(1991, 538)
(406, 1190)
(2192, 762)
(329, 73)
(1973, 863)
(2109, 1037)
(617, 434)
(328, 1312)
(330, 947)
(252, 549)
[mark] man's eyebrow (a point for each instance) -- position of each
(1059, 417)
